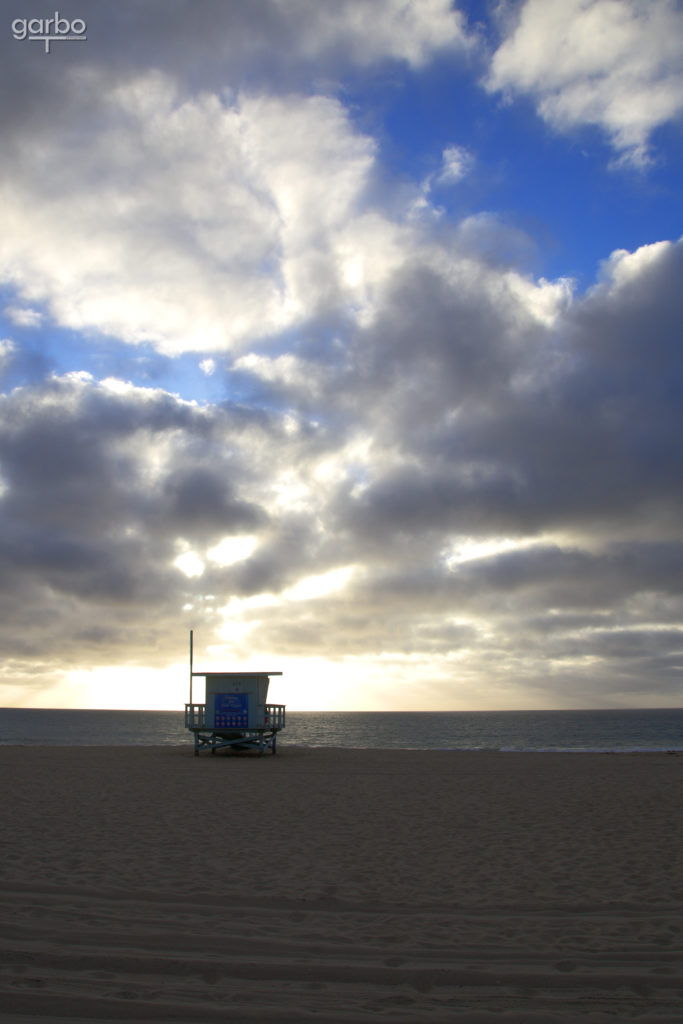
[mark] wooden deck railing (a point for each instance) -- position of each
(275, 716)
(195, 717)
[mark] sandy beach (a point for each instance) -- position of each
(340, 885)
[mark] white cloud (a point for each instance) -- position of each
(624, 268)
(544, 300)
(7, 350)
(617, 64)
(23, 317)
(289, 370)
(474, 265)
(457, 163)
(372, 30)
(196, 224)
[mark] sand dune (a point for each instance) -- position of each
(145, 884)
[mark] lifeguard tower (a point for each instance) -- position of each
(234, 713)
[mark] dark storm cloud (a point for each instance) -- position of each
(97, 488)
(544, 577)
(201, 499)
(291, 551)
(517, 429)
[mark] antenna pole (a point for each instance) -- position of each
(191, 639)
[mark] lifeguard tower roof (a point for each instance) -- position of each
(207, 675)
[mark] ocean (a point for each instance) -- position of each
(657, 729)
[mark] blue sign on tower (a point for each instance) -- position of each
(231, 711)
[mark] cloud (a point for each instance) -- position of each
(577, 449)
(412, 31)
(23, 317)
(459, 420)
(497, 410)
(7, 350)
(265, 47)
(616, 65)
(284, 42)
(144, 238)
(198, 196)
(99, 486)
(457, 163)
(424, 460)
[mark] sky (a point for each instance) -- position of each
(347, 334)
